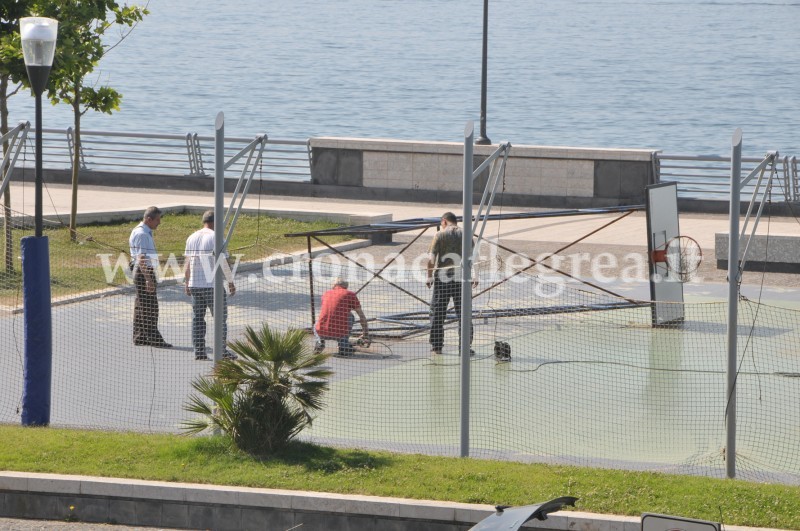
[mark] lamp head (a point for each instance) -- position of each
(38, 47)
(38, 40)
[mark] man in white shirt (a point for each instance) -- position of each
(199, 276)
(144, 264)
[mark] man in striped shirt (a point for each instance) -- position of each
(144, 263)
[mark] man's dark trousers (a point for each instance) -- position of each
(443, 291)
(145, 308)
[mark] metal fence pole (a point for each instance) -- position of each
(219, 228)
(466, 286)
(733, 301)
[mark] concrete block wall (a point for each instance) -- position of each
(779, 253)
(432, 171)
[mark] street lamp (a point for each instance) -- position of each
(483, 139)
(38, 47)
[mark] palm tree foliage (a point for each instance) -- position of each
(266, 397)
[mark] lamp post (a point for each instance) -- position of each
(483, 139)
(38, 47)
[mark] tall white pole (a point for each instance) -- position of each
(733, 302)
(466, 286)
(219, 235)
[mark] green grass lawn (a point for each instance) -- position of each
(76, 267)
(314, 468)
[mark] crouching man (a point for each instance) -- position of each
(336, 318)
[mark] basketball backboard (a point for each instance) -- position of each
(666, 290)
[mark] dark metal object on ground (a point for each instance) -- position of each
(512, 518)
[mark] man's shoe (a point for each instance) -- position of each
(319, 346)
(436, 351)
(346, 352)
(201, 357)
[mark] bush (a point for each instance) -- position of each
(266, 397)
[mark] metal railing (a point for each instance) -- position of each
(709, 176)
(698, 176)
(165, 154)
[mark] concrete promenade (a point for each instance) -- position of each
(630, 231)
(629, 234)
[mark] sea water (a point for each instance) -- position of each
(678, 76)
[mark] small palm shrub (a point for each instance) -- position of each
(266, 397)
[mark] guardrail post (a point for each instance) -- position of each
(194, 154)
(198, 155)
(787, 179)
(190, 154)
(71, 146)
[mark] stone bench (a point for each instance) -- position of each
(775, 253)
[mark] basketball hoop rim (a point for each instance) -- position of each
(660, 255)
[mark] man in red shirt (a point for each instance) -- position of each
(336, 318)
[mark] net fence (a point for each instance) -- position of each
(589, 380)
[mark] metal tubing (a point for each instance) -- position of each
(251, 167)
(554, 253)
(390, 262)
(484, 139)
(219, 227)
(733, 300)
(466, 287)
(37, 213)
(764, 196)
(393, 284)
(16, 139)
(555, 270)
(499, 168)
(768, 159)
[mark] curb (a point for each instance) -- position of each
(161, 503)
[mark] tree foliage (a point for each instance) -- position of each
(12, 77)
(266, 397)
(83, 40)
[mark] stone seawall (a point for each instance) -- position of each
(431, 172)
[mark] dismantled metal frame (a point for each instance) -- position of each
(15, 139)
(402, 326)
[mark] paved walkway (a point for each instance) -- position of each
(17, 524)
(629, 231)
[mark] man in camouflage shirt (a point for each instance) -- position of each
(444, 274)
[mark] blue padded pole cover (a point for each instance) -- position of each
(38, 331)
